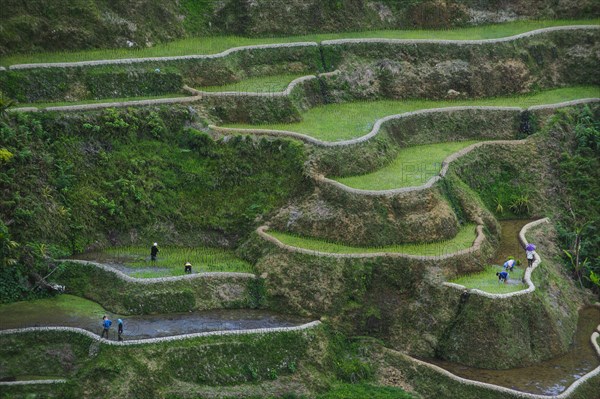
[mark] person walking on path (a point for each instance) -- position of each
(154, 252)
(120, 329)
(106, 323)
(530, 254)
(187, 268)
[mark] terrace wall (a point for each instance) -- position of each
(447, 69)
(126, 295)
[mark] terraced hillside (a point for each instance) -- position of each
(357, 184)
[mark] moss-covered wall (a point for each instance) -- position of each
(97, 370)
(397, 69)
(182, 295)
(356, 219)
(40, 25)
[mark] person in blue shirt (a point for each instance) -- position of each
(502, 276)
(106, 323)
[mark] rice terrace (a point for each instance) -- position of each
(300, 199)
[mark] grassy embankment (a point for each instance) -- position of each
(346, 121)
(217, 44)
(172, 259)
(68, 304)
(412, 167)
(463, 240)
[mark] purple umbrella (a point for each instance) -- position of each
(530, 247)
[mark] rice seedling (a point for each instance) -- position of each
(412, 167)
(217, 44)
(344, 121)
(463, 240)
(260, 84)
(487, 280)
(171, 260)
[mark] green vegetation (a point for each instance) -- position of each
(579, 169)
(364, 390)
(68, 304)
(217, 44)
(261, 84)
(487, 280)
(203, 259)
(345, 121)
(97, 101)
(463, 240)
(412, 167)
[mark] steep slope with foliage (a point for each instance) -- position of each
(74, 181)
(39, 25)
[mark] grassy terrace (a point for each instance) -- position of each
(212, 45)
(261, 84)
(100, 101)
(171, 260)
(69, 304)
(343, 121)
(463, 240)
(488, 282)
(412, 167)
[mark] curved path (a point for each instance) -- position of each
(89, 334)
(299, 44)
(378, 124)
(514, 393)
(526, 278)
(154, 59)
(261, 231)
(461, 42)
(158, 280)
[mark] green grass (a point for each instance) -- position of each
(464, 239)
(99, 101)
(261, 84)
(412, 167)
(69, 304)
(212, 45)
(345, 121)
(488, 281)
(203, 259)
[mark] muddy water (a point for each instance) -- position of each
(152, 326)
(547, 378)
(509, 242)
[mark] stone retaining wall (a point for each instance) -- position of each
(120, 293)
(160, 59)
(479, 240)
(105, 341)
(526, 278)
(461, 42)
(381, 122)
(159, 280)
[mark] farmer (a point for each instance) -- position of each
(106, 323)
(120, 329)
(154, 252)
(510, 264)
(530, 254)
(188, 267)
(502, 276)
